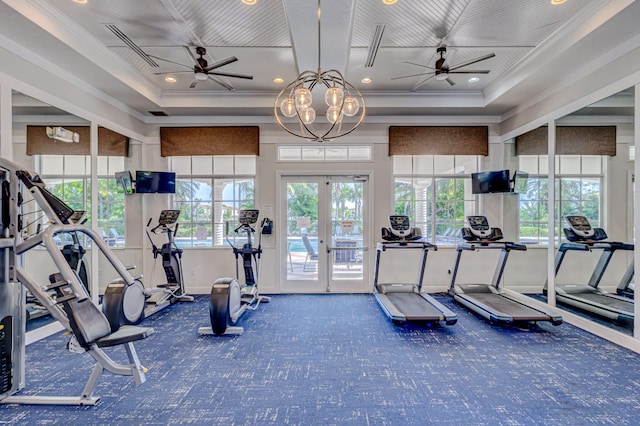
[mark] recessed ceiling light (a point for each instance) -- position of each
(556, 2)
(389, 1)
(278, 80)
(170, 79)
(474, 79)
(81, 1)
(366, 80)
(249, 2)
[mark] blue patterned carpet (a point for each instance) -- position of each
(337, 360)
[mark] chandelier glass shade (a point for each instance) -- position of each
(303, 99)
(315, 104)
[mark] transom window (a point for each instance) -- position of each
(324, 153)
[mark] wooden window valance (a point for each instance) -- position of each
(110, 143)
(231, 140)
(570, 140)
(427, 140)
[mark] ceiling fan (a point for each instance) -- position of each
(202, 70)
(442, 69)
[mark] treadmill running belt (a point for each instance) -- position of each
(507, 307)
(414, 307)
(609, 302)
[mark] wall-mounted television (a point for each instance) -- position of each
(125, 181)
(488, 182)
(155, 182)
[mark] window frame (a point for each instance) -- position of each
(111, 198)
(216, 235)
(560, 200)
(432, 226)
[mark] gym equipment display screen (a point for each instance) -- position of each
(488, 182)
(155, 182)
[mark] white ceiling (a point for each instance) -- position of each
(537, 46)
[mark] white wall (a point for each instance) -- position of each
(526, 271)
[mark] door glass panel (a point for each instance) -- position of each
(347, 220)
(302, 231)
(325, 242)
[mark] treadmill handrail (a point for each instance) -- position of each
(602, 245)
(384, 245)
(486, 244)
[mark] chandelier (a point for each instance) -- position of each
(301, 100)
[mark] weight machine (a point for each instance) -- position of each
(65, 296)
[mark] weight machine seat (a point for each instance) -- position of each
(88, 323)
(124, 335)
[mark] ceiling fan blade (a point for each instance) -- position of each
(221, 83)
(472, 61)
(193, 83)
(419, 65)
(195, 60)
(171, 62)
(451, 82)
(422, 83)
(173, 72)
(228, 74)
(220, 63)
(470, 72)
(413, 75)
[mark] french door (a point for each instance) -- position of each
(325, 238)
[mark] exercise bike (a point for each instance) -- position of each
(129, 304)
(229, 299)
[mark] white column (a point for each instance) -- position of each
(6, 122)
(218, 212)
(636, 208)
(93, 150)
(551, 266)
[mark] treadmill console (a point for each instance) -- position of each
(400, 226)
(248, 217)
(400, 230)
(479, 226)
(479, 230)
(581, 226)
(580, 230)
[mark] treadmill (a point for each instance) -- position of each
(403, 302)
(490, 300)
(589, 297)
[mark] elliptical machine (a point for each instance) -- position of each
(229, 299)
(173, 290)
(129, 304)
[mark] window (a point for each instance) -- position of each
(69, 178)
(322, 153)
(210, 191)
(435, 192)
(578, 189)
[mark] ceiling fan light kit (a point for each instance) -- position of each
(341, 99)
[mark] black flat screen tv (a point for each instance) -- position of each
(155, 182)
(125, 181)
(489, 182)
